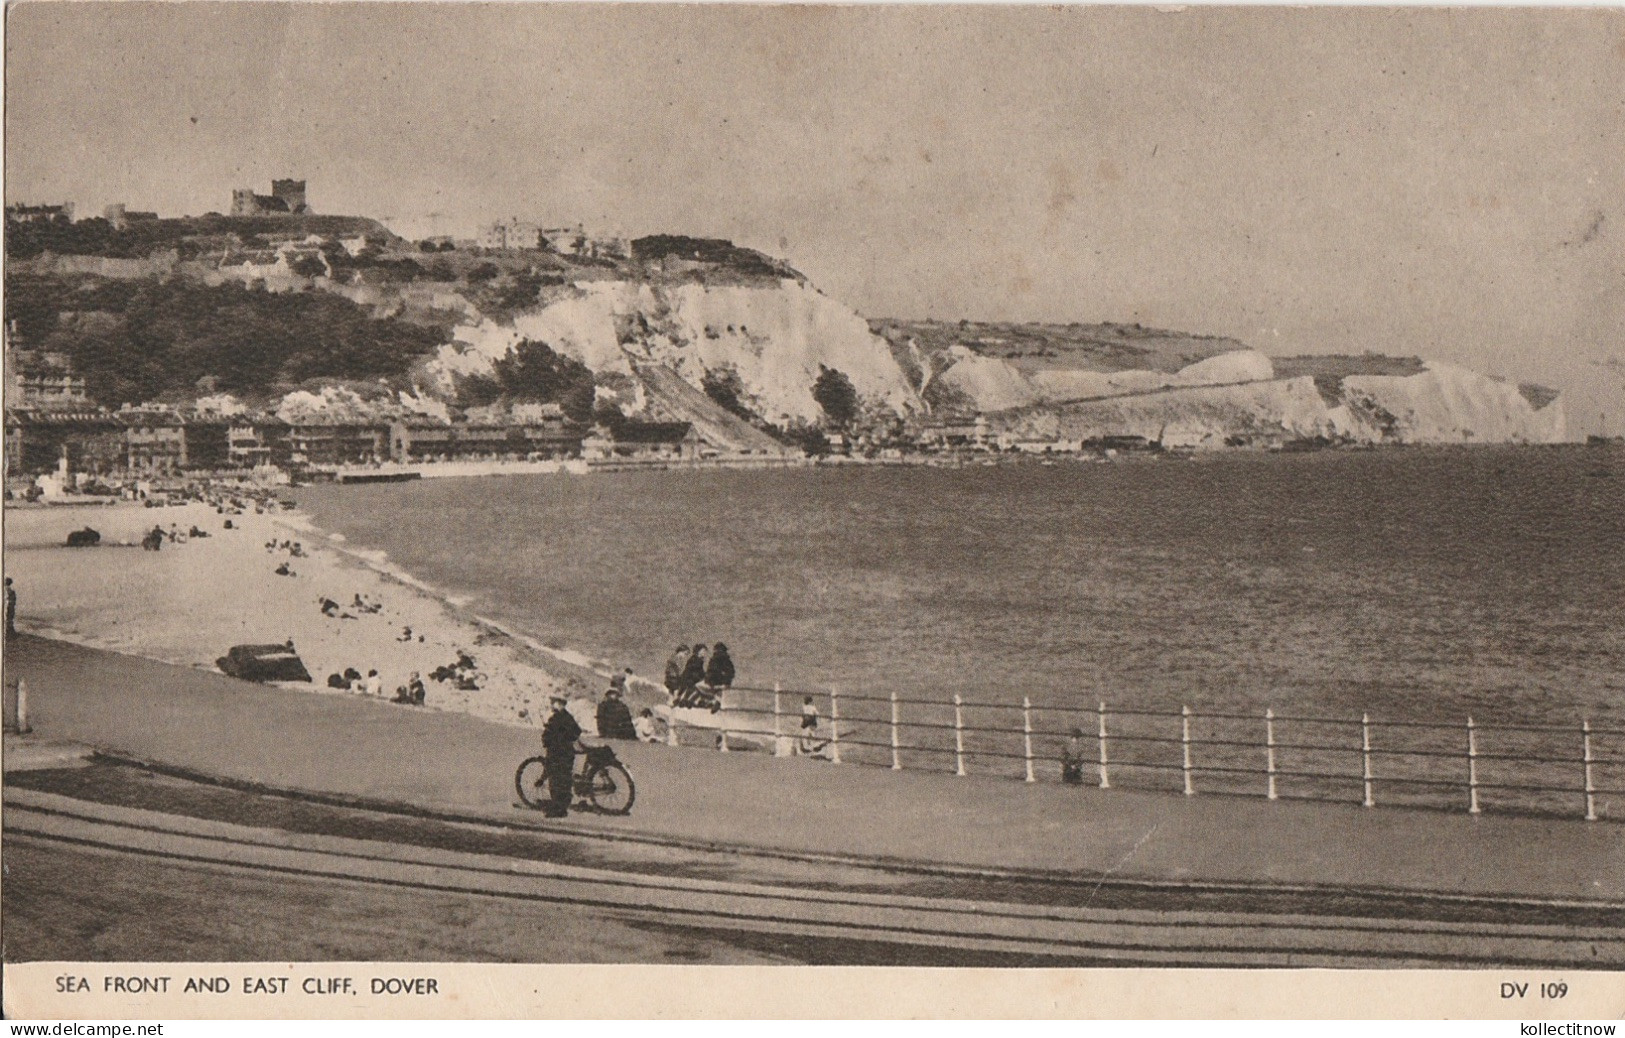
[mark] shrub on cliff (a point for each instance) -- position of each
(836, 395)
(533, 373)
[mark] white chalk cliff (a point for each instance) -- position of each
(774, 336)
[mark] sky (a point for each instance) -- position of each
(1441, 182)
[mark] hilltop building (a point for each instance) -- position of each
(19, 213)
(287, 198)
(121, 218)
(514, 234)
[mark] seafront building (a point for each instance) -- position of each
(162, 441)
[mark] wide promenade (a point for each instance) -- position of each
(463, 766)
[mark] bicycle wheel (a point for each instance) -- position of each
(611, 790)
(531, 782)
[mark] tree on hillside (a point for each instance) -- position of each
(723, 385)
(532, 372)
(158, 337)
(836, 395)
(308, 267)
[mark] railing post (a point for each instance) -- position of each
(1472, 768)
(1105, 779)
(1585, 743)
(1365, 758)
(1027, 734)
(780, 746)
(834, 726)
(1185, 740)
(959, 736)
(22, 707)
(671, 728)
(1269, 747)
(896, 747)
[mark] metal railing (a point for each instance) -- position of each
(1527, 768)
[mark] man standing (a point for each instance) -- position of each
(559, 737)
(11, 609)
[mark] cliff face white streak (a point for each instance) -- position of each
(775, 338)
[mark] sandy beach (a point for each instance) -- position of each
(189, 602)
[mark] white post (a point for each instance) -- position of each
(1365, 758)
(1269, 747)
(896, 747)
(959, 736)
(834, 726)
(22, 707)
(671, 728)
(1185, 739)
(1472, 768)
(1105, 779)
(1027, 734)
(779, 747)
(1585, 742)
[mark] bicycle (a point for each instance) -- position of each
(601, 781)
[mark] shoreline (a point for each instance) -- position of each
(190, 601)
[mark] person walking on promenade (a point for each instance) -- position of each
(719, 673)
(809, 744)
(11, 609)
(674, 672)
(1072, 758)
(614, 719)
(560, 735)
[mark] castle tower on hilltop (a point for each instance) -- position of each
(292, 194)
(287, 198)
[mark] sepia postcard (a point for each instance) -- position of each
(544, 510)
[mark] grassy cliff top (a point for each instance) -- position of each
(1078, 347)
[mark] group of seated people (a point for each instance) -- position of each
(361, 604)
(413, 693)
(693, 680)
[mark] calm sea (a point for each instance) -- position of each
(1418, 583)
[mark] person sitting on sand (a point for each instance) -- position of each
(374, 686)
(644, 726)
(413, 693)
(719, 673)
(405, 635)
(614, 719)
(285, 571)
